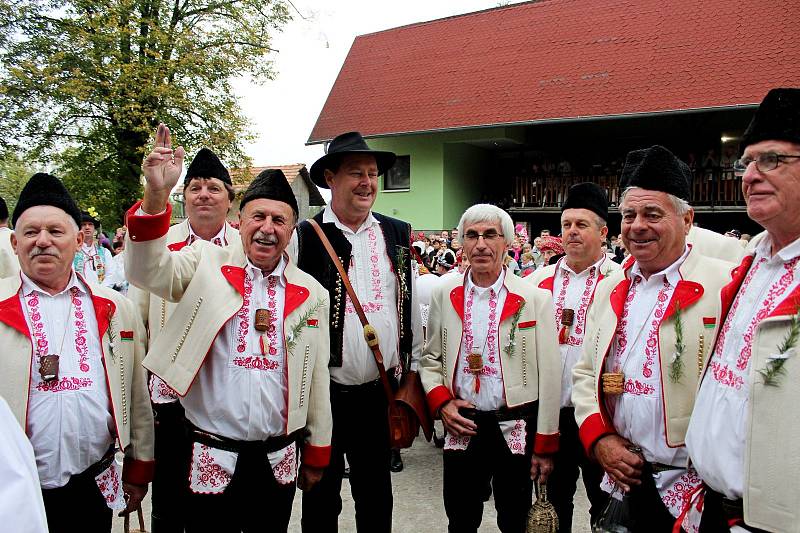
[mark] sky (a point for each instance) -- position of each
(311, 50)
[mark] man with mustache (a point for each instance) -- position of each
(375, 251)
(491, 371)
(744, 432)
(72, 374)
(572, 282)
(208, 193)
(649, 332)
(246, 349)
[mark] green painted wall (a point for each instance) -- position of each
(445, 175)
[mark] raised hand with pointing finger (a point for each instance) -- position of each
(162, 168)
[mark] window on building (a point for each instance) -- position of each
(398, 178)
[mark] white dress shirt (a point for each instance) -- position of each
(574, 291)
(20, 494)
(91, 260)
(638, 413)
(220, 239)
(70, 423)
(718, 428)
(482, 309)
(240, 391)
(372, 275)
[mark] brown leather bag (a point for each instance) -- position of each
(408, 408)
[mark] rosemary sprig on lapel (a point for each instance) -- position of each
(401, 271)
(297, 329)
(112, 337)
(773, 370)
(511, 344)
(676, 365)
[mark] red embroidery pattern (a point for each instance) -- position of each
(490, 366)
(621, 335)
(257, 363)
(209, 473)
(80, 332)
(108, 483)
(776, 290)
(586, 297)
(160, 391)
(285, 470)
(272, 305)
(516, 439)
(638, 388)
(651, 347)
(724, 375)
(42, 346)
(562, 294)
(676, 496)
(244, 315)
(375, 304)
(64, 384)
(723, 335)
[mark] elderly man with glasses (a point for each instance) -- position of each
(743, 436)
(496, 385)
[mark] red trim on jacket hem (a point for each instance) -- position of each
(546, 444)
(316, 456)
(437, 397)
(592, 429)
(147, 227)
(138, 472)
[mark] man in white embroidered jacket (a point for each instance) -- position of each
(648, 334)
(743, 436)
(208, 193)
(72, 373)
(497, 385)
(246, 349)
(573, 281)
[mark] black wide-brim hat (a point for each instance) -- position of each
(86, 217)
(349, 143)
(656, 169)
(587, 195)
(46, 189)
(776, 119)
(272, 185)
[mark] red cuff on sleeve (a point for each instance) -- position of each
(437, 397)
(546, 444)
(316, 456)
(138, 472)
(147, 227)
(592, 429)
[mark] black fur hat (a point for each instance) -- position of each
(45, 189)
(589, 196)
(273, 185)
(206, 164)
(657, 169)
(777, 118)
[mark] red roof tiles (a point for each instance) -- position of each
(560, 59)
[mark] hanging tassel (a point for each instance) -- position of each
(563, 335)
(477, 384)
(261, 345)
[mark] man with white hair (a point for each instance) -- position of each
(72, 369)
(496, 385)
(744, 432)
(573, 281)
(648, 336)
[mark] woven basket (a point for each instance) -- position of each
(542, 517)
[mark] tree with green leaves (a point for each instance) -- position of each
(83, 83)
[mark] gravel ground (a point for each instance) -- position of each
(418, 506)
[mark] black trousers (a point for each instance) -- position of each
(715, 518)
(648, 511)
(252, 502)
(77, 506)
(570, 462)
(360, 431)
(487, 464)
(169, 487)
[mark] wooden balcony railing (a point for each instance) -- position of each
(710, 188)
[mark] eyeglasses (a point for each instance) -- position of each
(764, 162)
(488, 236)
